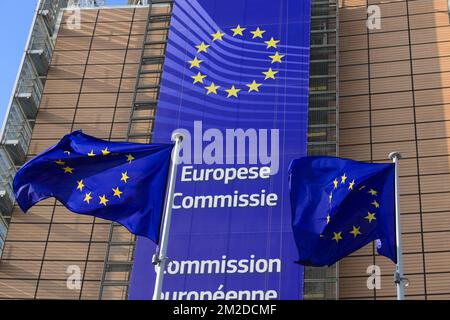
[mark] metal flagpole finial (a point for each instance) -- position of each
(177, 136)
(394, 155)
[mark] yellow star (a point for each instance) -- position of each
(277, 57)
(105, 152)
(343, 178)
(212, 88)
(328, 218)
(87, 197)
(337, 236)
(373, 192)
(67, 152)
(270, 74)
(232, 92)
(335, 183)
(125, 177)
(257, 33)
(68, 170)
(195, 63)
(198, 78)
(350, 186)
(202, 47)
(272, 43)
(376, 204)
(370, 216)
(80, 185)
(91, 154)
(218, 36)
(130, 158)
(253, 86)
(355, 231)
(238, 31)
(60, 162)
(331, 196)
(117, 192)
(103, 200)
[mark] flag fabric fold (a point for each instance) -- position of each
(340, 205)
(118, 181)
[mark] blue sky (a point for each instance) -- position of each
(14, 27)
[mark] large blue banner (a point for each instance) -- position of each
(235, 83)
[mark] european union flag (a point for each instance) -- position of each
(117, 181)
(339, 206)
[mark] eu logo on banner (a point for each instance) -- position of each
(232, 89)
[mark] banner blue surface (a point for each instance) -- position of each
(235, 82)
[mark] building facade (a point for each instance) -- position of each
(372, 91)
(90, 85)
(394, 97)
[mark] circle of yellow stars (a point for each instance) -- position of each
(88, 197)
(233, 91)
(342, 182)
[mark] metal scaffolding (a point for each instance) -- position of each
(86, 3)
(19, 121)
(323, 118)
(139, 2)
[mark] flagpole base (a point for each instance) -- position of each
(400, 280)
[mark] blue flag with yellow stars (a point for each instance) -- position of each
(340, 205)
(118, 181)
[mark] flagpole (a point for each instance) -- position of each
(162, 258)
(399, 280)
